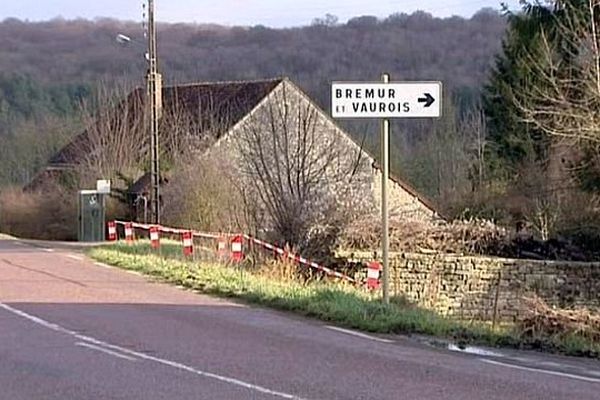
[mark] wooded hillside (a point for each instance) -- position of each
(456, 50)
(48, 67)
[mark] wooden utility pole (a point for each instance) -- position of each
(154, 80)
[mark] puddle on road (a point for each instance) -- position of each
(478, 351)
(556, 367)
(473, 350)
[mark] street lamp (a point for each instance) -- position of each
(123, 39)
(127, 41)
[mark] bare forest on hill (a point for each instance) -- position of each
(455, 50)
(54, 73)
(48, 68)
(489, 157)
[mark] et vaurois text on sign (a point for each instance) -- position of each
(386, 100)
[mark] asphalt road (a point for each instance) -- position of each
(73, 329)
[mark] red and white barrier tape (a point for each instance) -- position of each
(299, 259)
(269, 246)
(165, 229)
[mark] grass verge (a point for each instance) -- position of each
(336, 303)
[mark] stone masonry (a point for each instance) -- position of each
(477, 288)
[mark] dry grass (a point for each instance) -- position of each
(470, 237)
(542, 320)
(283, 269)
(38, 215)
(282, 285)
(332, 302)
(279, 270)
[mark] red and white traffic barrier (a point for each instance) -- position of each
(175, 231)
(154, 237)
(112, 231)
(129, 232)
(237, 248)
(374, 269)
(187, 239)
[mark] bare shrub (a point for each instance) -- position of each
(300, 173)
(201, 196)
(470, 236)
(39, 215)
(543, 321)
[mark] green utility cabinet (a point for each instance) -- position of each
(91, 216)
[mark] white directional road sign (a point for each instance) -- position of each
(103, 186)
(386, 100)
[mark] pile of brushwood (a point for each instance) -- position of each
(469, 237)
(544, 324)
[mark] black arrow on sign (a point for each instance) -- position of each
(428, 100)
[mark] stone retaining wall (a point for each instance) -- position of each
(482, 287)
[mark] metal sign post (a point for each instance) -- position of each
(385, 177)
(386, 100)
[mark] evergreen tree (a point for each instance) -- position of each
(512, 141)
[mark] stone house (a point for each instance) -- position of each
(274, 141)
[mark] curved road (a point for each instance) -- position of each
(74, 329)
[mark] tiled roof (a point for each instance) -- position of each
(211, 105)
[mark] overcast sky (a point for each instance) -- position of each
(275, 13)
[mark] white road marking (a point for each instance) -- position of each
(74, 257)
(173, 364)
(542, 371)
(48, 250)
(102, 349)
(359, 334)
(133, 272)
(103, 265)
(595, 373)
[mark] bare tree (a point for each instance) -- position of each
(545, 216)
(564, 101)
(25, 152)
(115, 140)
(199, 194)
(299, 171)
(187, 131)
(474, 130)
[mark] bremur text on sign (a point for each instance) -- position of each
(386, 100)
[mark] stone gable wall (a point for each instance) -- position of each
(401, 202)
(363, 190)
